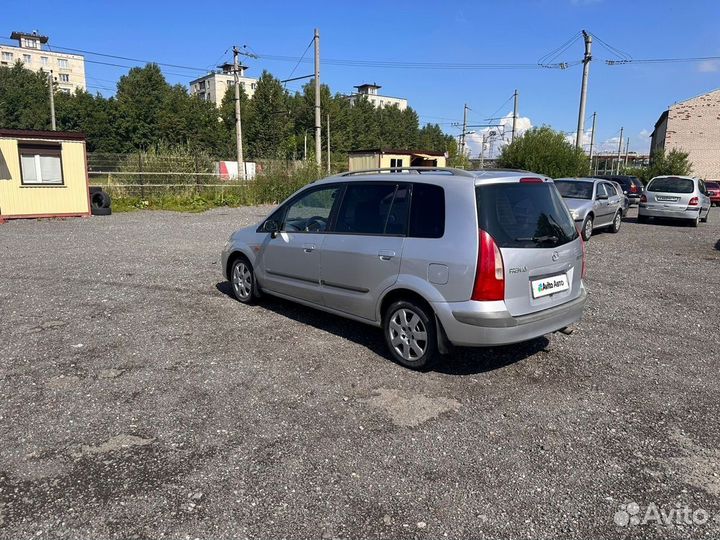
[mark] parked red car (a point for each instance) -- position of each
(713, 189)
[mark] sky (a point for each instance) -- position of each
(631, 96)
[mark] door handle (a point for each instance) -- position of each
(308, 248)
(386, 254)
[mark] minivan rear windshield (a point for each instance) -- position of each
(671, 184)
(524, 215)
(575, 189)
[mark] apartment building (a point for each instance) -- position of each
(692, 126)
(212, 87)
(370, 92)
(68, 69)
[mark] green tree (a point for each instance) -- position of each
(675, 162)
(431, 137)
(141, 97)
(92, 115)
(269, 123)
(24, 98)
(544, 151)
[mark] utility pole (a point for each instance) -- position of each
(238, 119)
(583, 89)
(515, 115)
(464, 129)
(619, 150)
(592, 141)
(627, 151)
(305, 147)
(318, 121)
(52, 101)
(328, 143)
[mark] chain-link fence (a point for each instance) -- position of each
(152, 179)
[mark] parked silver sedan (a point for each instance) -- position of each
(593, 203)
(677, 197)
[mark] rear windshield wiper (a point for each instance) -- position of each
(546, 238)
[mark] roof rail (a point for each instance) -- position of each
(414, 170)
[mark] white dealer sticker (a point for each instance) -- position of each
(549, 285)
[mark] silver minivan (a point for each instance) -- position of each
(677, 197)
(434, 256)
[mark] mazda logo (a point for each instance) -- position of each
(555, 256)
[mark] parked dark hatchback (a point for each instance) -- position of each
(632, 186)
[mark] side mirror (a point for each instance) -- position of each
(272, 227)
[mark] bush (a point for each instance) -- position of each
(544, 151)
(676, 163)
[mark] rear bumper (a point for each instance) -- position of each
(467, 325)
(690, 212)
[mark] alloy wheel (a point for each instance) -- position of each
(408, 334)
(242, 280)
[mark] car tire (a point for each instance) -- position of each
(100, 199)
(101, 211)
(242, 280)
(695, 222)
(410, 334)
(707, 217)
(587, 228)
(616, 223)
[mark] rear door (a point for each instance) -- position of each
(538, 242)
(602, 205)
(361, 256)
(670, 194)
(615, 200)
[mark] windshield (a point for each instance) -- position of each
(524, 215)
(574, 189)
(671, 184)
(712, 185)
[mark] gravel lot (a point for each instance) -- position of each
(140, 401)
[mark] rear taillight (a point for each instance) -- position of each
(531, 180)
(694, 201)
(643, 198)
(490, 276)
(633, 188)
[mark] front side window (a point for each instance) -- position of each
(311, 211)
(601, 191)
(373, 209)
(41, 166)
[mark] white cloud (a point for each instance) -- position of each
(500, 138)
(709, 66)
(644, 133)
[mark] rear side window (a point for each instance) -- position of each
(671, 184)
(524, 215)
(427, 212)
(373, 209)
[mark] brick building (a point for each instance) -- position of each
(692, 126)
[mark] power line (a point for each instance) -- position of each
(660, 60)
(390, 64)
